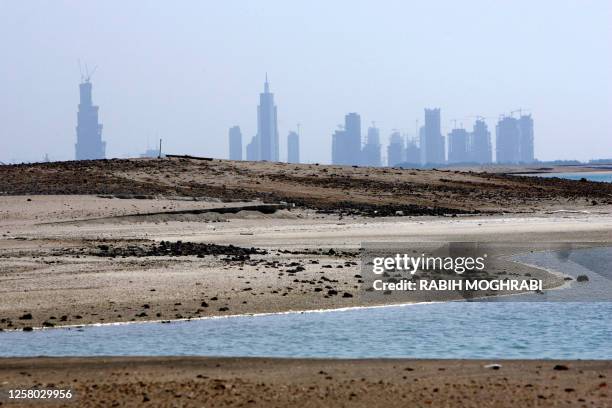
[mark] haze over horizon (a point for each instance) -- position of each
(188, 71)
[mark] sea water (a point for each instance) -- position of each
(560, 324)
(600, 176)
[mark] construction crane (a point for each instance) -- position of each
(455, 124)
(479, 117)
(520, 111)
(88, 75)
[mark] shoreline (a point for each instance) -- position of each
(561, 285)
(216, 317)
(57, 277)
(123, 284)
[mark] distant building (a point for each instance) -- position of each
(152, 153)
(413, 153)
(458, 146)
(395, 150)
(525, 124)
(352, 129)
(339, 154)
(252, 149)
(293, 147)
(370, 155)
(235, 143)
(346, 142)
(432, 141)
(507, 135)
(89, 145)
(480, 143)
(267, 127)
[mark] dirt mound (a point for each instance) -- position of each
(340, 189)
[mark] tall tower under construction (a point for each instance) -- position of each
(89, 145)
(480, 143)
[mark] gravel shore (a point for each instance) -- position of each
(264, 382)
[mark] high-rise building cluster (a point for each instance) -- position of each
(514, 137)
(470, 147)
(347, 146)
(265, 144)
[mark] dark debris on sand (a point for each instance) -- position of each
(178, 248)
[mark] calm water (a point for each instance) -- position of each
(604, 177)
(495, 329)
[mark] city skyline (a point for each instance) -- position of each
(185, 74)
(514, 139)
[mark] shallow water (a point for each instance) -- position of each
(604, 177)
(503, 328)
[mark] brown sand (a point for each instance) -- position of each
(264, 382)
(362, 190)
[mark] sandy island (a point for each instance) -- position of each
(81, 242)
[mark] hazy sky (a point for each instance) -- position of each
(188, 70)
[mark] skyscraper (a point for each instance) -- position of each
(514, 140)
(352, 130)
(267, 128)
(346, 141)
(507, 136)
(339, 154)
(458, 146)
(252, 149)
(432, 141)
(293, 147)
(89, 145)
(395, 150)
(235, 143)
(413, 153)
(480, 143)
(370, 155)
(525, 124)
